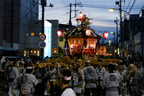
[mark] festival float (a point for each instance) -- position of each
(82, 40)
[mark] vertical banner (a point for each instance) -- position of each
(48, 40)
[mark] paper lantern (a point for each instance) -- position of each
(88, 32)
(105, 35)
(59, 33)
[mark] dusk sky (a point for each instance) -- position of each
(98, 10)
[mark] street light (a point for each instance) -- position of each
(112, 9)
(121, 33)
(112, 33)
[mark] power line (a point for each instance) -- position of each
(103, 7)
(62, 2)
(55, 9)
(22, 17)
(132, 6)
(128, 5)
(30, 8)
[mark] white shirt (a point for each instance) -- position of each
(68, 92)
(111, 80)
(100, 73)
(77, 82)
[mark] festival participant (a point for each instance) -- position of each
(63, 79)
(134, 81)
(111, 82)
(26, 82)
(90, 79)
(12, 74)
(139, 67)
(77, 79)
(21, 62)
(122, 72)
(50, 78)
(101, 71)
(5, 64)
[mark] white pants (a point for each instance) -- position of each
(9, 92)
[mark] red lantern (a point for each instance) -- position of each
(88, 32)
(80, 15)
(59, 33)
(105, 35)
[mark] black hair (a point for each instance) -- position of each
(92, 64)
(111, 67)
(14, 63)
(121, 63)
(77, 55)
(52, 63)
(99, 60)
(65, 72)
(29, 68)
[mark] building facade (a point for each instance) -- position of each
(23, 12)
(134, 37)
(1, 25)
(32, 40)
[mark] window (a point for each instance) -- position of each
(32, 34)
(27, 34)
(34, 51)
(25, 53)
(38, 53)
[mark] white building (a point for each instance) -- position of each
(32, 38)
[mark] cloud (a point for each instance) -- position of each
(102, 19)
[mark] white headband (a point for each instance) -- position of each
(29, 67)
(67, 77)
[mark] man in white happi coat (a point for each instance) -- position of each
(111, 82)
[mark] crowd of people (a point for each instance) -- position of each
(25, 78)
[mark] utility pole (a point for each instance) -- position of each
(121, 30)
(75, 5)
(42, 29)
(70, 16)
(116, 42)
(70, 23)
(75, 8)
(116, 22)
(43, 3)
(11, 41)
